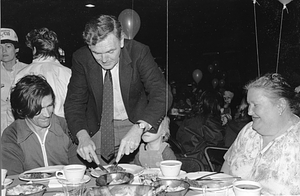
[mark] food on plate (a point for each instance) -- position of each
(37, 175)
(114, 168)
(126, 191)
(164, 188)
(97, 172)
(25, 189)
(148, 179)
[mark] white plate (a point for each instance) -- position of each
(41, 169)
(182, 174)
(7, 181)
(224, 184)
(85, 179)
(130, 168)
(154, 171)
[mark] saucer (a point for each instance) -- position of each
(7, 182)
(181, 175)
(85, 179)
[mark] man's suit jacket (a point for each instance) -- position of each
(143, 89)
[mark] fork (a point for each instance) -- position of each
(116, 163)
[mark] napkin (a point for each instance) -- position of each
(53, 183)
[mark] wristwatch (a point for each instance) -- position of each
(141, 126)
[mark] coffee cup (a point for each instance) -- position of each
(72, 173)
(3, 192)
(170, 168)
(3, 175)
(247, 187)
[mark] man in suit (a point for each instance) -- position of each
(140, 95)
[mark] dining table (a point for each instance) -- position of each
(91, 182)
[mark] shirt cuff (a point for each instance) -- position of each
(147, 125)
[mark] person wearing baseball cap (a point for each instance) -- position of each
(10, 66)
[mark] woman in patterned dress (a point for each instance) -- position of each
(267, 149)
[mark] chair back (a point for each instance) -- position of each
(190, 164)
(176, 147)
(214, 156)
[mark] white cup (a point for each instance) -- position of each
(3, 192)
(170, 168)
(246, 187)
(72, 173)
(3, 175)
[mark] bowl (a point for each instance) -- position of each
(35, 189)
(170, 168)
(171, 187)
(247, 187)
(114, 178)
(120, 189)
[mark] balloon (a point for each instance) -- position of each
(223, 74)
(210, 68)
(222, 83)
(215, 82)
(285, 2)
(216, 64)
(130, 22)
(197, 75)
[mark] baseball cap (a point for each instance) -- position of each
(8, 36)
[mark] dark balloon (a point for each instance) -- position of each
(197, 75)
(210, 68)
(223, 74)
(222, 83)
(215, 82)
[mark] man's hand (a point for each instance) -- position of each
(86, 147)
(130, 142)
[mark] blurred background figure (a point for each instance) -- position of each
(203, 126)
(267, 148)
(233, 127)
(226, 114)
(297, 89)
(10, 66)
(44, 45)
(37, 138)
(155, 148)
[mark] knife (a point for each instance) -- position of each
(220, 178)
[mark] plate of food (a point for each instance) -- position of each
(41, 173)
(148, 176)
(211, 183)
(130, 168)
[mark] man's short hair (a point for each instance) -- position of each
(45, 41)
(98, 28)
(27, 95)
(9, 36)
